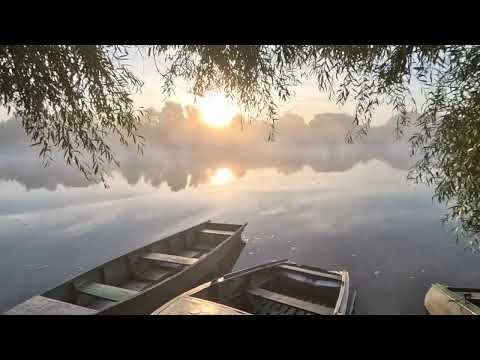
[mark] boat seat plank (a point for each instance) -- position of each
(169, 258)
(216, 232)
(290, 301)
(474, 296)
(337, 277)
(107, 292)
(40, 305)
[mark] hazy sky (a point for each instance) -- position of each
(307, 102)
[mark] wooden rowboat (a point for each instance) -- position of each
(276, 288)
(446, 300)
(142, 280)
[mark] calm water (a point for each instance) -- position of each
(337, 206)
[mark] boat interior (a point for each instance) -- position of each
(284, 289)
(128, 275)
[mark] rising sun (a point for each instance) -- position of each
(222, 176)
(217, 110)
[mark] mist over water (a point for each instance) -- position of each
(180, 146)
(307, 196)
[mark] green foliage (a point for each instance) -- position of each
(69, 98)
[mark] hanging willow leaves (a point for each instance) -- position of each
(69, 98)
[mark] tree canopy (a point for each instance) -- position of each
(70, 98)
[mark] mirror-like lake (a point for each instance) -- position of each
(305, 198)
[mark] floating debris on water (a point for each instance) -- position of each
(293, 248)
(411, 277)
(423, 270)
(377, 272)
(354, 254)
(37, 267)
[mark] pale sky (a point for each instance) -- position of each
(307, 102)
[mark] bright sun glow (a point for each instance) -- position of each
(216, 110)
(222, 176)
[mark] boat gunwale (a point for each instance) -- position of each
(341, 305)
(246, 271)
(229, 276)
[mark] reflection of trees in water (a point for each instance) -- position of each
(179, 146)
(170, 166)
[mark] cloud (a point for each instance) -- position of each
(179, 145)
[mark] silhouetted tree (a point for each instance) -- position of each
(70, 98)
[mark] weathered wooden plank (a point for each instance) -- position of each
(264, 307)
(202, 247)
(40, 305)
(291, 311)
(473, 296)
(169, 258)
(440, 300)
(155, 273)
(217, 232)
(290, 301)
(106, 291)
(276, 308)
(188, 305)
(94, 302)
(312, 272)
(137, 284)
(190, 253)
